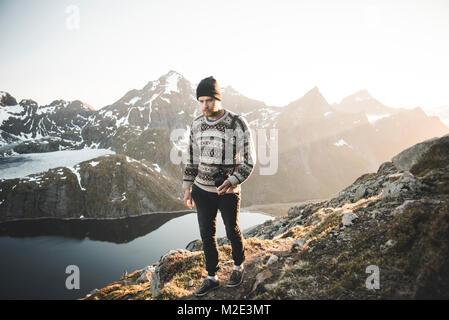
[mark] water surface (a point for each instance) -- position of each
(34, 263)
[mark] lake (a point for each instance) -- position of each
(35, 254)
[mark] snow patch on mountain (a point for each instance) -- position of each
(7, 112)
(22, 165)
(134, 100)
(171, 84)
(77, 174)
(372, 118)
(341, 143)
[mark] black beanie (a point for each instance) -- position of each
(208, 87)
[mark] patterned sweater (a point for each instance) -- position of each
(215, 143)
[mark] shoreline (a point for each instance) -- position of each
(93, 219)
(275, 210)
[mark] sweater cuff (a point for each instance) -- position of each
(186, 184)
(233, 180)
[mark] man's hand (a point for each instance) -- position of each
(188, 199)
(224, 187)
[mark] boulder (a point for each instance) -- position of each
(347, 218)
(417, 153)
(195, 245)
(272, 260)
(406, 185)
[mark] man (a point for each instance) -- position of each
(212, 148)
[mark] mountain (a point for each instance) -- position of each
(362, 101)
(111, 186)
(27, 127)
(382, 237)
(441, 112)
(327, 146)
(323, 145)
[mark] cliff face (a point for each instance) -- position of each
(112, 186)
(393, 224)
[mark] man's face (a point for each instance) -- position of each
(209, 106)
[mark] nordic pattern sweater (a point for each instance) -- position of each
(214, 143)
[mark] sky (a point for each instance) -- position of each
(273, 51)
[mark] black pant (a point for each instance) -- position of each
(207, 204)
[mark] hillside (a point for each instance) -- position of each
(395, 220)
(106, 187)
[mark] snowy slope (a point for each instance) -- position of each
(19, 166)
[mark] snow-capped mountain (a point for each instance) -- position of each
(325, 147)
(26, 121)
(167, 102)
(322, 145)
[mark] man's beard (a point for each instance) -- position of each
(212, 114)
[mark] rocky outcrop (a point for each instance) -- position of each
(112, 186)
(393, 223)
(6, 99)
(429, 150)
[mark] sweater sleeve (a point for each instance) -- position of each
(192, 160)
(245, 151)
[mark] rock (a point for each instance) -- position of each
(277, 224)
(195, 245)
(270, 286)
(292, 293)
(223, 241)
(400, 209)
(7, 100)
(171, 252)
(394, 177)
(347, 218)
(156, 283)
(251, 231)
(93, 291)
(260, 278)
(374, 214)
(146, 274)
(410, 157)
(272, 260)
(296, 210)
(228, 262)
(360, 193)
(389, 244)
(387, 167)
(282, 230)
(406, 185)
(300, 220)
(408, 204)
(436, 158)
(298, 244)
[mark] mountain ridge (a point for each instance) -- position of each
(318, 143)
